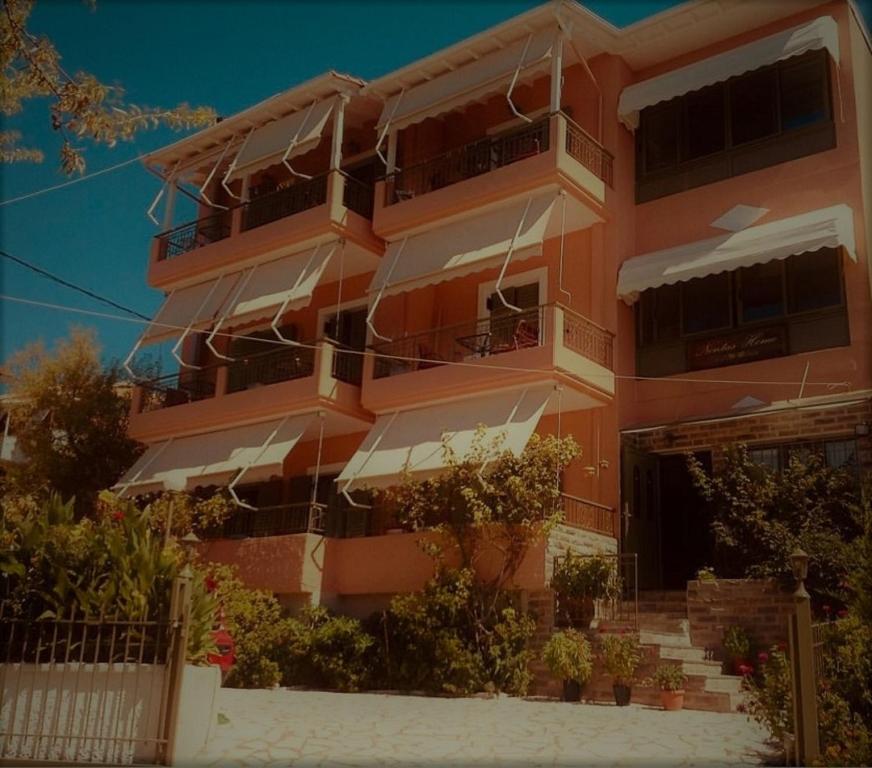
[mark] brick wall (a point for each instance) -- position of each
(768, 428)
(759, 606)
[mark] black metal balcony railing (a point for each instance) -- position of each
(587, 338)
(177, 389)
(582, 513)
(589, 152)
(194, 234)
(479, 338)
(347, 365)
(279, 520)
(358, 196)
(282, 364)
(295, 198)
(470, 160)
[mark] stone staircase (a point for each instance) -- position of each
(665, 639)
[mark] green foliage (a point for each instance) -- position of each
(489, 499)
(768, 696)
(455, 637)
(184, 513)
(325, 651)
(568, 656)
(576, 577)
(80, 106)
(669, 677)
(760, 517)
(859, 581)
(254, 619)
(737, 644)
(706, 573)
(70, 420)
(621, 656)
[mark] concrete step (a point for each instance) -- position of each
(671, 639)
(707, 668)
(661, 622)
(685, 653)
(723, 684)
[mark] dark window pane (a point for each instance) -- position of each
(754, 106)
(706, 304)
(804, 93)
(841, 454)
(660, 137)
(705, 122)
(668, 312)
(766, 457)
(813, 280)
(762, 294)
(645, 315)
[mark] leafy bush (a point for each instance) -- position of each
(578, 577)
(768, 699)
(325, 651)
(568, 656)
(455, 637)
(621, 656)
(760, 517)
(737, 644)
(669, 677)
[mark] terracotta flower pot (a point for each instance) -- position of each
(672, 700)
(622, 694)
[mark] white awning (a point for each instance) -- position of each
(268, 144)
(413, 440)
(463, 247)
(825, 228)
(823, 32)
(470, 82)
(215, 457)
(286, 283)
(197, 306)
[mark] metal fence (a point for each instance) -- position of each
(195, 234)
(295, 198)
(588, 515)
(79, 688)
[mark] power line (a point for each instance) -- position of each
(70, 182)
(68, 284)
(400, 358)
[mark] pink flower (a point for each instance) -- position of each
(118, 515)
(827, 610)
(762, 657)
(842, 613)
(746, 670)
(782, 646)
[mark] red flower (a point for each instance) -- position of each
(741, 708)
(762, 657)
(211, 584)
(842, 613)
(118, 515)
(602, 630)
(782, 646)
(827, 610)
(746, 670)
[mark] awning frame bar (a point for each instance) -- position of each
(371, 314)
(375, 445)
(515, 81)
(126, 486)
(178, 344)
(231, 488)
(233, 165)
(293, 143)
(502, 275)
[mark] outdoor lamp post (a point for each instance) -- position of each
(799, 565)
(189, 541)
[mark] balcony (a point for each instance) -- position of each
(311, 376)
(552, 149)
(298, 212)
(279, 520)
(498, 351)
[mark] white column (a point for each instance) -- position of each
(338, 130)
(392, 152)
(170, 205)
(556, 73)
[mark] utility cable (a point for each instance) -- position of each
(401, 358)
(68, 284)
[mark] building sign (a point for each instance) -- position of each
(733, 348)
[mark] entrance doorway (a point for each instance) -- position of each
(665, 520)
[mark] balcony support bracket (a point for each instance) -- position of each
(233, 166)
(511, 250)
(515, 81)
(293, 143)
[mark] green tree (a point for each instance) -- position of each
(80, 106)
(760, 517)
(70, 419)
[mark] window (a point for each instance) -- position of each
(768, 458)
(768, 116)
(762, 291)
(782, 307)
(814, 281)
(705, 304)
(841, 454)
(836, 454)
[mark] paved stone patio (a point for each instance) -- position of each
(282, 728)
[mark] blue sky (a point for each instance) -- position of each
(224, 54)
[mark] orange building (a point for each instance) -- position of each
(651, 238)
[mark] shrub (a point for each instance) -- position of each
(768, 699)
(579, 577)
(568, 656)
(621, 656)
(669, 677)
(455, 637)
(325, 651)
(737, 644)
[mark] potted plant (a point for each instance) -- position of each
(580, 582)
(670, 678)
(568, 657)
(737, 646)
(621, 657)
